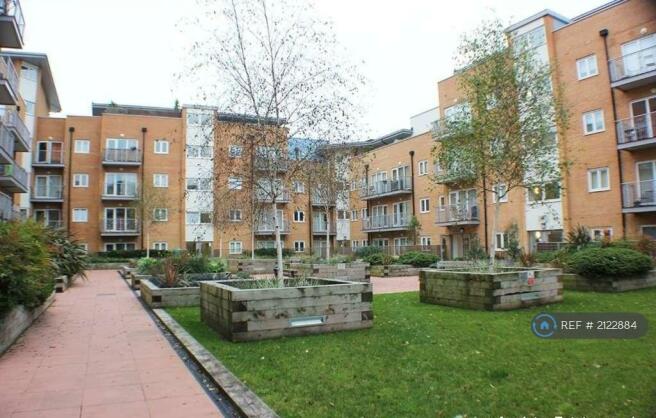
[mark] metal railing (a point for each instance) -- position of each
(8, 73)
(264, 197)
(14, 171)
(639, 193)
(13, 9)
(121, 155)
(126, 195)
(118, 225)
(382, 187)
(319, 227)
(53, 223)
(636, 128)
(633, 64)
(6, 207)
(51, 193)
(269, 227)
(7, 141)
(49, 156)
(271, 163)
(12, 120)
(457, 214)
(382, 222)
(318, 200)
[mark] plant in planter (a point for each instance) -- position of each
(618, 263)
(68, 256)
(417, 259)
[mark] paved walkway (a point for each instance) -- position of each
(395, 284)
(96, 353)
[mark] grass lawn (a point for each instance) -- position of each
(434, 361)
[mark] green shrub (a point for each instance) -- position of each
(151, 266)
(379, 259)
(365, 252)
(608, 262)
(127, 254)
(27, 269)
(215, 265)
(338, 259)
(545, 256)
(418, 259)
(272, 253)
(69, 257)
(578, 238)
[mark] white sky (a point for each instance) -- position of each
(129, 50)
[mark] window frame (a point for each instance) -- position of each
(81, 175)
(297, 246)
(166, 215)
(157, 244)
(495, 193)
(235, 219)
(298, 219)
(504, 241)
(233, 154)
(586, 61)
(424, 202)
(77, 150)
(598, 170)
(595, 130)
(233, 243)
(159, 142)
(235, 183)
(161, 175)
(80, 210)
(422, 167)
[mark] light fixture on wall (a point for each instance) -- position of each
(643, 31)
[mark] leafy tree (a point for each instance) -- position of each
(149, 205)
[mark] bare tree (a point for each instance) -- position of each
(153, 206)
(279, 66)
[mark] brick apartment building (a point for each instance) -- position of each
(85, 171)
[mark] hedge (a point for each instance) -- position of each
(418, 259)
(612, 262)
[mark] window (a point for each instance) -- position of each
(365, 213)
(82, 146)
(550, 191)
(593, 122)
(235, 247)
(343, 215)
(601, 233)
(299, 246)
(354, 215)
(365, 243)
(199, 184)
(84, 246)
(424, 205)
(587, 67)
(120, 184)
(235, 151)
(199, 151)
(235, 215)
(161, 180)
(299, 216)
(425, 241)
(161, 146)
(598, 180)
(120, 246)
(160, 214)
(500, 190)
(355, 244)
(501, 240)
(80, 215)
(299, 187)
(161, 246)
(197, 218)
(234, 183)
(199, 118)
(80, 180)
(423, 168)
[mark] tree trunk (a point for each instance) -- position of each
(327, 233)
(147, 243)
(493, 241)
(278, 241)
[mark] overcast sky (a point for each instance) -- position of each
(129, 50)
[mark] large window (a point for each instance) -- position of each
(197, 218)
(199, 184)
(598, 180)
(593, 122)
(120, 184)
(49, 152)
(587, 67)
(550, 191)
(48, 187)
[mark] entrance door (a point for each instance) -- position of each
(639, 56)
(644, 118)
(646, 181)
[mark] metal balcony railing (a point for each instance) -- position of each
(8, 73)
(50, 193)
(386, 222)
(636, 129)
(6, 207)
(121, 156)
(633, 64)
(12, 120)
(48, 157)
(7, 143)
(271, 163)
(269, 227)
(53, 223)
(319, 227)
(457, 214)
(16, 172)
(387, 187)
(13, 9)
(639, 194)
(282, 197)
(120, 225)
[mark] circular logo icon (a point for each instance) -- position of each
(544, 325)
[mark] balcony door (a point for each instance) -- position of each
(401, 214)
(400, 176)
(379, 216)
(120, 219)
(646, 181)
(644, 118)
(639, 55)
(49, 152)
(379, 181)
(48, 217)
(267, 219)
(121, 143)
(48, 186)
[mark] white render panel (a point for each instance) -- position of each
(544, 216)
(422, 122)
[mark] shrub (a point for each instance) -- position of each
(151, 266)
(379, 259)
(215, 265)
(608, 262)
(545, 256)
(578, 237)
(340, 259)
(127, 254)
(272, 253)
(365, 252)
(475, 252)
(69, 257)
(418, 259)
(196, 264)
(26, 265)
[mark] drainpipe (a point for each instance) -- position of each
(412, 179)
(366, 188)
(485, 215)
(143, 174)
(69, 179)
(604, 34)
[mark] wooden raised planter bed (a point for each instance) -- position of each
(506, 289)
(62, 283)
(244, 314)
(608, 284)
(257, 266)
(17, 320)
(171, 297)
(354, 272)
(105, 266)
(395, 270)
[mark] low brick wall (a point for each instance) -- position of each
(105, 266)
(256, 314)
(62, 283)
(395, 270)
(16, 321)
(354, 272)
(608, 284)
(135, 280)
(511, 289)
(257, 266)
(157, 297)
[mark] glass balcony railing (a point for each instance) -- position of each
(633, 64)
(6, 207)
(121, 156)
(6, 145)
(458, 214)
(639, 194)
(10, 76)
(386, 222)
(636, 129)
(120, 225)
(282, 197)
(387, 187)
(320, 227)
(12, 121)
(16, 175)
(49, 193)
(12, 8)
(269, 227)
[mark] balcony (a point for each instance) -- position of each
(53, 223)
(382, 223)
(271, 164)
(13, 178)
(633, 70)
(457, 215)
(456, 175)
(268, 228)
(8, 81)
(51, 195)
(384, 188)
(639, 196)
(6, 146)
(6, 207)
(13, 122)
(12, 24)
(121, 156)
(127, 195)
(52, 158)
(119, 227)
(321, 228)
(283, 197)
(320, 201)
